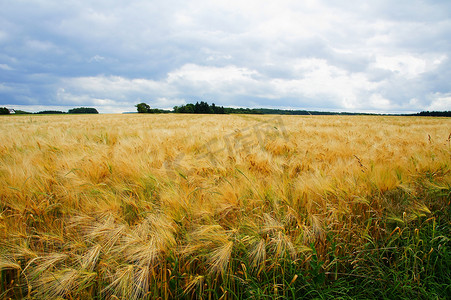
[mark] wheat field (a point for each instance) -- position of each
(164, 206)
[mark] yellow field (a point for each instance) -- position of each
(179, 205)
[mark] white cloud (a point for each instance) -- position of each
(377, 101)
(202, 80)
(96, 58)
(168, 91)
(315, 80)
(408, 65)
(5, 67)
(440, 102)
(108, 85)
(41, 46)
(325, 83)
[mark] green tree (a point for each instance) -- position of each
(143, 108)
(4, 111)
(50, 112)
(83, 110)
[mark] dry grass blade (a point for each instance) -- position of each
(219, 258)
(257, 253)
(89, 260)
(122, 282)
(41, 264)
(195, 282)
(8, 263)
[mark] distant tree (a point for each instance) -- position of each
(83, 110)
(203, 108)
(199, 108)
(186, 109)
(434, 114)
(4, 111)
(50, 112)
(217, 109)
(230, 110)
(143, 108)
(190, 108)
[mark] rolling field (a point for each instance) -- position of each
(224, 206)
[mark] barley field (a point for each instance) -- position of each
(169, 206)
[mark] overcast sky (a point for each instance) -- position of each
(372, 56)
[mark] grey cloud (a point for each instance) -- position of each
(376, 55)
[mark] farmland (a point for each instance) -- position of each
(233, 206)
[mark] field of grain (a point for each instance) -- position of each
(224, 206)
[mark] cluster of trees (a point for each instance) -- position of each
(434, 114)
(4, 111)
(83, 110)
(144, 108)
(199, 108)
(50, 112)
(248, 111)
(79, 110)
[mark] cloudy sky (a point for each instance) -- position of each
(372, 56)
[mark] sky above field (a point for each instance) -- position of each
(361, 56)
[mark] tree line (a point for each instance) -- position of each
(197, 108)
(433, 114)
(204, 108)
